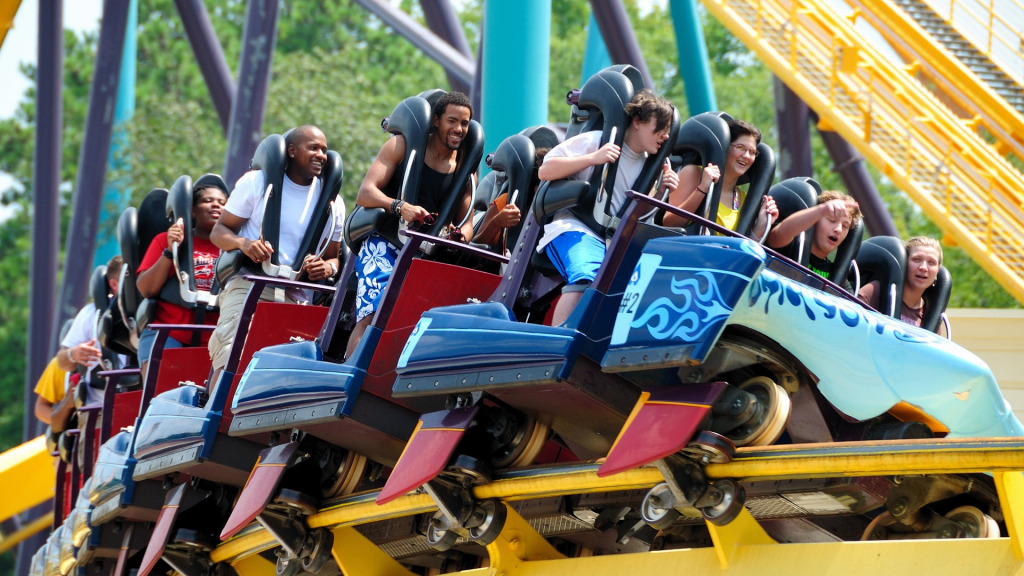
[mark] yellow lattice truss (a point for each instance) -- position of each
(958, 179)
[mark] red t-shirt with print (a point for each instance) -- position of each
(204, 253)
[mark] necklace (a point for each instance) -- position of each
(735, 198)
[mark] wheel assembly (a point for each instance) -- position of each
(321, 542)
(439, 535)
(768, 406)
(729, 505)
(287, 566)
(658, 507)
(347, 478)
(974, 522)
(522, 449)
(493, 514)
(711, 448)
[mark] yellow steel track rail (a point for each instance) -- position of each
(26, 477)
(994, 28)
(982, 104)
(959, 180)
(783, 462)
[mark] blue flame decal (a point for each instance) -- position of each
(700, 310)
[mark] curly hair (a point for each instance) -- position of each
(854, 210)
(452, 98)
(646, 105)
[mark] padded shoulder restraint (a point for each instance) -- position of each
(471, 152)
(98, 287)
(846, 251)
(515, 157)
(179, 205)
(704, 139)
(270, 157)
(883, 258)
(128, 297)
(791, 196)
(936, 298)
(760, 176)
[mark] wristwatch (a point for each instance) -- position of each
(168, 254)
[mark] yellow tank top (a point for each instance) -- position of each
(728, 217)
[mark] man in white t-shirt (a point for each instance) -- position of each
(79, 346)
(239, 229)
(575, 249)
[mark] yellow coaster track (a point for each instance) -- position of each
(958, 179)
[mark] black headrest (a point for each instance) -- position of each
(791, 196)
(516, 157)
(210, 181)
(151, 220)
(884, 258)
(632, 73)
(608, 92)
(542, 136)
(432, 96)
(936, 298)
(760, 176)
(98, 287)
(179, 205)
(704, 139)
(412, 119)
(587, 116)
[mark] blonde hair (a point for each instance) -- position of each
(923, 241)
(837, 195)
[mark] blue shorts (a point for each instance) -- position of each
(375, 263)
(576, 255)
(147, 341)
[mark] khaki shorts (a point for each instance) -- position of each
(231, 301)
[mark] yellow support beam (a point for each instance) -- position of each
(254, 565)
(357, 556)
(9, 541)
(516, 545)
(26, 477)
(849, 459)
(8, 9)
(959, 180)
(731, 538)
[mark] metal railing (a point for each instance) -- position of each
(958, 179)
(993, 26)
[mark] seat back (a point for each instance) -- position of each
(846, 251)
(515, 157)
(135, 232)
(704, 139)
(791, 196)
(486, 191)
(936, 298)
(760, 177)
(884, 258)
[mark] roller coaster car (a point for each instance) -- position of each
(185, 429)
(525, 369)
(884, 258)
(342, 414)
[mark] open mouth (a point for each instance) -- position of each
(215, 214)
(833, 239)
(454, 140)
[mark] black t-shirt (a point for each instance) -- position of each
(823, 267)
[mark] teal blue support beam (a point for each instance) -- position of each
(517, 41)
(693, 57)
(117, 194)
(596, 57)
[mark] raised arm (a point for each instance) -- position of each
(558, 167)
(798, 222)
(155, 268)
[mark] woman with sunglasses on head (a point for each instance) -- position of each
(695, 183)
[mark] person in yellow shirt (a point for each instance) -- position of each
(695, 183)
(53, 403)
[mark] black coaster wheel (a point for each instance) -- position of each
(322, 541)
(711, 448)
(525, 446)
(658, 507)
(729, 507)
(494, 515)
(439, 536)
(287, 566)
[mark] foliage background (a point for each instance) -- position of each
(342, 69)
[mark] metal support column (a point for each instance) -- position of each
(443, 21)
(619, 37)
(209, 56)
(517, 40)
(850, 165)
(474, 93)
(696, 74)
(245, 130)
(117, 193)
(454, 62)
(92, 163)
(791, 118)
(596, 57)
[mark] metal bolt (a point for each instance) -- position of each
(435, 383)
(900, 507)
(514, 543)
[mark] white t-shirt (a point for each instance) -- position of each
(83, 329)
(297, 206)
(629, 166)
